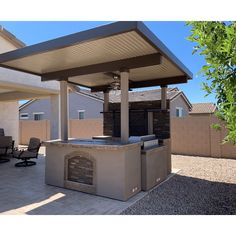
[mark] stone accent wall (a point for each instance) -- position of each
(108, 124)
(161, 124)
(139, 105)
(80, 169)
(161, 118)
(80, 172)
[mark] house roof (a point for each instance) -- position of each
(203, 108)
(11, 37)
(93, 57)
(26, 103)
(137, 96)
(145, 95)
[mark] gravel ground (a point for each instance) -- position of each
(205, 186)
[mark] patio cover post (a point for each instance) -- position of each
(63, 110)
(164, 97)
(106, 101)
(54, 119)
(124, 109)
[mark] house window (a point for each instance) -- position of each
(38, 115)
(24, 116)
(179, 112)
(81, 114)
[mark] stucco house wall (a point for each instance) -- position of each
(5, 45)
(91, 106)
(9, 113)
(9, 119)
(16, 86)
(41, 105)
(178, 102)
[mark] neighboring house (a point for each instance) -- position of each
(179, 104)
(86, 105)
(82, 105)
(203, 109)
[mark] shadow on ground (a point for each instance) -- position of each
(185, 195)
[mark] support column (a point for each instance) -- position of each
(164, 97)
(64, 110)
(54, 118)
(106, 101)
(124, 108)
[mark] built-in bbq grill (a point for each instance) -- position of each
(147, 141)
(153, 160)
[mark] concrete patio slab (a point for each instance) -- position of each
(23, 191)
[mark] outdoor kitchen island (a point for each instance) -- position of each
(118, 56)
(106, 167)
(102, 167)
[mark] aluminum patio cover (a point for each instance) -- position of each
(93, 57)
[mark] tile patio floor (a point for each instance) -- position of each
(22, 191)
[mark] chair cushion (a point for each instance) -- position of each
(34, 144)
(5, 141)
(25, 154)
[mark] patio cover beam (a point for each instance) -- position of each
(149, 83)
(130, 63)
(18, 95)
(159, 82)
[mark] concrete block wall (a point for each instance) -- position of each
(195, 136)
(86, 128)
(30, 128)
(189, 135)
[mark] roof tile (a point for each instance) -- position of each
(203, 108)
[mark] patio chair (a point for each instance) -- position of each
(25, 155)
(5, 145)
(11, 147)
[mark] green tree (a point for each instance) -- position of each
(216, 41)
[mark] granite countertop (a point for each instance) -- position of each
(91, 143)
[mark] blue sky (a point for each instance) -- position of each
(172, 34)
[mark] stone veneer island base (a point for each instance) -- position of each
(102, 167)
